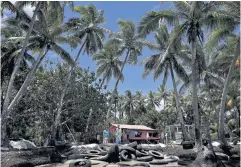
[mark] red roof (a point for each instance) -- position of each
(133, 127)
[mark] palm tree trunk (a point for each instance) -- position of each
(15, 71)
(224, 97)
(115, 89)
(88, 123)
(64, 89)
(194, 96)
(21, 91)
(28, 79)
(184, 132)
(103, 80)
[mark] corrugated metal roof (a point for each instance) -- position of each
(133, 127)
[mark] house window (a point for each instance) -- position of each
(155, 134)
(138, 134)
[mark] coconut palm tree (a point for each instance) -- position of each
(227, 53)
(18, 61)
(87, 29)
(166, 62)
(129, 42)
(45, 37)
(194, 16)
(129, 106)
(152, 100)
(108, 63)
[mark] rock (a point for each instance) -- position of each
(22, 144)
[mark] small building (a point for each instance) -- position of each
(139, 133)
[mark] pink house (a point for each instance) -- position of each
(139, 133)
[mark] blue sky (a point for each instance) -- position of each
(127, 11)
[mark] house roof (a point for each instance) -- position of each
(133, 127)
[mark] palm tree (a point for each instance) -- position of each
(166, 64)
(129, 105)
(232, 13)
(86, 28)
(127, 41)
(18, 61)
(108, 63)
(152, 100)
(45, 37)
(194, 16)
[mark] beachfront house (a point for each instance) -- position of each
(139, 133)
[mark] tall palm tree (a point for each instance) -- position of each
(129, 42)
(18, 61)
(45, 37)
(87, 29)
(166, 62)
(194, 16)
(232, 14)
(108, 63)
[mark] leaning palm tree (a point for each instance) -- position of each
(127, 41)
(6, 102)
(194, 16)
(45, 36)
(87, 29)
(108, 63)
(166, 62)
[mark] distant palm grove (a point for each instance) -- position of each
(196, 45)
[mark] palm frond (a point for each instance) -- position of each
(150, 22)
(63, 54)
(180, 71)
